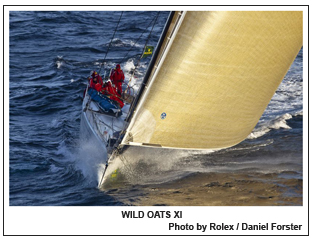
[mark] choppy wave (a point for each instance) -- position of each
(277, 123)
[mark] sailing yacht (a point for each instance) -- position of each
(210, 79)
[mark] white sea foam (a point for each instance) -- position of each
(258, 133)
(63, 150)
(128, 66)
(59, 64)
(55, 123)
(277, 123)
(132, 43)
(134, 80)
(299, 113)
(88, 161)
(280, 122)
(55, 169)
(91, 155)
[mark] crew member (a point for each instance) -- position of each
(117, 77)
(96, 81)
(110, 91)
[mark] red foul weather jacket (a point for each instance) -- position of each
(97, 85)
(110, 91)
(117, 76)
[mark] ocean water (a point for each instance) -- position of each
(52, 53)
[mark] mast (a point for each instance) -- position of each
(151, 66)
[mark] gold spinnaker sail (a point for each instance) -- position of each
(219, 75)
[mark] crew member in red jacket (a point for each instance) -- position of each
(117, 77)
(109, 91)
(96, 81)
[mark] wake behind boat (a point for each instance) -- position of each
(211, 77)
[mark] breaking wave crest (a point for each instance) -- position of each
(277, 123)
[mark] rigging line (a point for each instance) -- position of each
(127, 165)
(150, 32)
(102, 64)
(150, 66)
(107, 125)
(139, 38)
(124, 161)
(143, 49)
(126, 124)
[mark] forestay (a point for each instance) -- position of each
(216, 78)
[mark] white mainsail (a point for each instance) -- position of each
(215, 78)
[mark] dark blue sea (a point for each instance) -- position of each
(52, 54)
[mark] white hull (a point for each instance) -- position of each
(97, 133)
